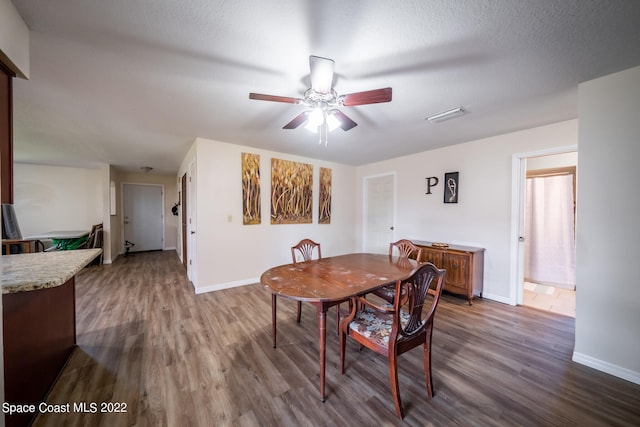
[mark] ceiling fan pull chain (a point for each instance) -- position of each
(326, 133)
(323, 127)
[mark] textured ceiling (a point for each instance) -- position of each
(133, 83)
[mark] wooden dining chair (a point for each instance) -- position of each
(403, 248)
(303, 251)
(393, 329)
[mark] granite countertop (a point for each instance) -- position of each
(40, 270)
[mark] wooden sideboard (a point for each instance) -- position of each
(464, 266)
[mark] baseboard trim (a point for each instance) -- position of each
(606, 367)
(221, 286)
(497, 298)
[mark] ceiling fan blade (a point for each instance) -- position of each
(321, 74)
(297, 121)
(345, 122)
(274, 98)
(367, 97)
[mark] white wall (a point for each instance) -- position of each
(14, 40)
(608, 230)
(115, 221)
(230, 253)
(553, 161)
(105, 177)
(48, 198)
(482, 216)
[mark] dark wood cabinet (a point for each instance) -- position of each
(6, 134)
(39, 335)
(464, 266)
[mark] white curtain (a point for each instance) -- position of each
(549, 231)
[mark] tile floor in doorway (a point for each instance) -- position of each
(556, 300)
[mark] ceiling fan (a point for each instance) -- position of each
(323, 100)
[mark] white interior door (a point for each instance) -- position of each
(143, 216)
(379, 213)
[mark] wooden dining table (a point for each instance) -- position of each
(329, 281)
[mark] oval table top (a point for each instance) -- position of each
(337, 278)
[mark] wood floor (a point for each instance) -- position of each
(179, 359)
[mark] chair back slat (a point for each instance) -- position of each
(405, 248)
(413, 293)
(305, 248)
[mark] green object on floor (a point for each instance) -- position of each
(69, 244)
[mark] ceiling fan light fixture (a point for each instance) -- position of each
(311, 127)
(315, 119)
(446, 115)
(332, 122)
(321, 99)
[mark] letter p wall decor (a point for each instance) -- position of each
(432, 181)
(450, 186)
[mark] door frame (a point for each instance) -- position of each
(183, 219)
(518, 187)
(192, 261)
(162, 190)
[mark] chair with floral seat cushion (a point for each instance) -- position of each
(393, 329)
(404, 249)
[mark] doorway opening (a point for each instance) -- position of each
(546, 212)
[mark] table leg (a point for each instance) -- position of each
(273, 318)
(322, 331)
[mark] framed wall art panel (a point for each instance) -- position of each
(324, 209)
(451, 187)
(291, 192)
